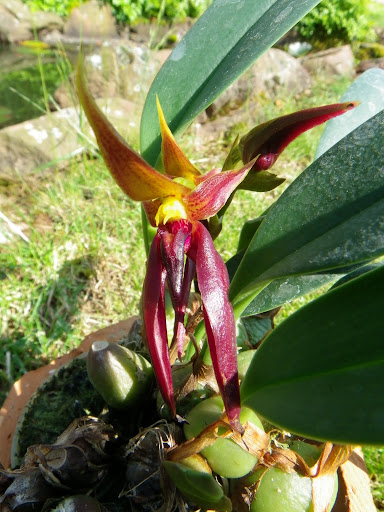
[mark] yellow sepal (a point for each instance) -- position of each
(175, 161)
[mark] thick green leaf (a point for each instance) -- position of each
(331, 216)
(356, 273)
(368, 88)
(258, 326)
(287, 289)
(221, 45)
(320, 373)
(248, 231)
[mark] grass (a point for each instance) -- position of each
(77, 274)
(84, 264)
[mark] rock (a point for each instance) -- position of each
(364, 65)
(12, 29)
(52, 37)
(90, 20)
(18, 9)
(46, 21)
(32, 147)
(17, 23)
(274, 73)
(122, 69)
(335, 61)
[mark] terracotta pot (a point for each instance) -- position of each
(23, 389)
(354, 484)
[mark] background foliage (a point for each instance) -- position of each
(131, 11)
(60, 7)
(332, 23)
(136, 10)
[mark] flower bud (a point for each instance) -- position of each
(120, 375)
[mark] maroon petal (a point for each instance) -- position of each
(213, 192)
(212, 277)
(155, 322)
(269, 139)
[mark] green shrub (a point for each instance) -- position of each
(135, 10)
(335, 22)
(60, 7)
(131, 11)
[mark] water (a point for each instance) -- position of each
(25, 70)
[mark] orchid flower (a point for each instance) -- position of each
(178, 203)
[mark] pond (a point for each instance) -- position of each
(28, 77)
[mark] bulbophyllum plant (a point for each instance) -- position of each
(178, 203)
(255, 418)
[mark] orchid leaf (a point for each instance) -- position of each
(258, 326)
(329, 356)
(331, 216)
(221, 45)
(282, 291)
(368, 88)
(357, 273)
(248, 231)
(287, 289)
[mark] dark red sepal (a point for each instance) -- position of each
(155, 322)
(269, 139)
(212, 277)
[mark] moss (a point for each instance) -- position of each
(65, 396)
